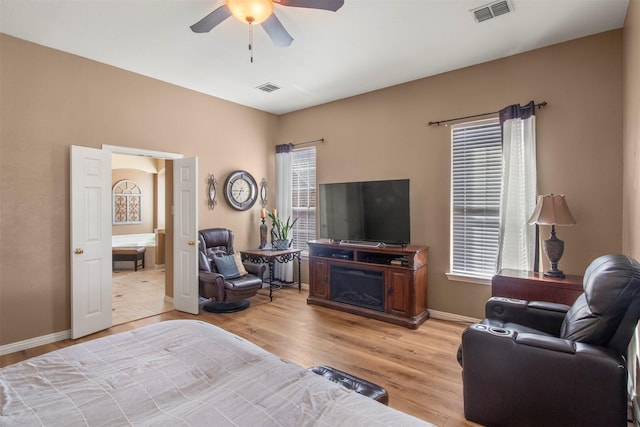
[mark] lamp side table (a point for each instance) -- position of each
(530, 286)
(270, 257)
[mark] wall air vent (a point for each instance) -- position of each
(268, 87)
(491, 10)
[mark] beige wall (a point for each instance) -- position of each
(631, 135)
(631, 150)
(51, 100)
(378, 135)
(384, 134)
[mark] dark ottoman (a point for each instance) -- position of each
(354, 383)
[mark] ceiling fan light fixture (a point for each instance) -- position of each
(250, 11)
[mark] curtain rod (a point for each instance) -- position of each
(540, 105)
(321, 141)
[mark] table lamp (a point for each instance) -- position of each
(552, 209)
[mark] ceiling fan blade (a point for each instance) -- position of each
(207, 23)
(276, 31)
(331, 5)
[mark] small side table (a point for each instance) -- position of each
(270, 257)
(531, 286)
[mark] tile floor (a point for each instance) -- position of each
(138, 294)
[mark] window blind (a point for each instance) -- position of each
(303, 196)
(476, 182)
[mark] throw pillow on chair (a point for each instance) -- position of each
(226, 265)
(238, 259)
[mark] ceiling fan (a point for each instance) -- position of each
(261, 12)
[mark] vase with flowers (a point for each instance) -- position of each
(280, 230)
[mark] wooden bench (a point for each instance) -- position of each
(135, 254)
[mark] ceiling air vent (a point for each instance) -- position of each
(492, 10)
(268, 87)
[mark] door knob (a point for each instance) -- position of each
(78, 251)
(192, 242)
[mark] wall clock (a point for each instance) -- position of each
(240, 190)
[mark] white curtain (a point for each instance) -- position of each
(518, 199)
(283, 271)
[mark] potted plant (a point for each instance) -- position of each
(280, 231)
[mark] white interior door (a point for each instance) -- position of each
(185, 235)
(90, 241)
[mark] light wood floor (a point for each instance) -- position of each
(417, 367)
(138, 294)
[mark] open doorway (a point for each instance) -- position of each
(91, 238)
(138, 238)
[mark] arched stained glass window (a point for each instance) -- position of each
(127, 202)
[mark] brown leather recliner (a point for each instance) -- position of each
(227, 294)
(545, 364)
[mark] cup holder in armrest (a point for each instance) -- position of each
(494, 330)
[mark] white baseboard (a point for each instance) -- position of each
(34, 342)
(450, 317)
(63, 335)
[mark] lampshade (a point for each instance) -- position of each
(250, 11)
(552, 209)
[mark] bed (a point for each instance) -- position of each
(179, 372)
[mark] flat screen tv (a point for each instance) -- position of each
(369, 211)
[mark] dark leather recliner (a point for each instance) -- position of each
(227, 294)
(545, 364)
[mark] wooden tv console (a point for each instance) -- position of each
(403, 271)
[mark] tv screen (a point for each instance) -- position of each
(371, 211)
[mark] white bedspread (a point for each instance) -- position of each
(176, 373)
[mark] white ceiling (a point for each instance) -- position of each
(364, 46)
